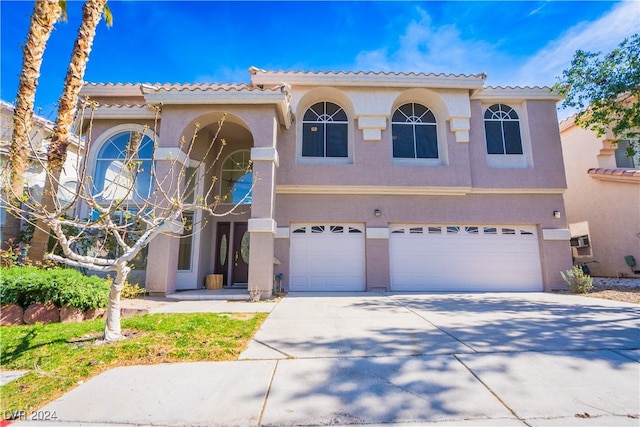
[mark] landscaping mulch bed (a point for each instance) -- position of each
(624, 289)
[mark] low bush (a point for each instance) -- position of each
(26, 285)
(579, 282)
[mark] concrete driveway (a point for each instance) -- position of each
(367, 358)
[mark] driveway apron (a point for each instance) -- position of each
(494, 359)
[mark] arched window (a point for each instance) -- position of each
(325, 129)
(237, 178)
(414, 132)
(112, 180)
(502, 130)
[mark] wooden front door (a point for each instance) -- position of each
(240, 254)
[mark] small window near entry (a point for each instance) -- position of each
(502, 130)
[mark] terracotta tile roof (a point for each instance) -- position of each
(255, 70)
(616, 174)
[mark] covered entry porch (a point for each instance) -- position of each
(236, 240)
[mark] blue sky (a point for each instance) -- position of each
(524, 43)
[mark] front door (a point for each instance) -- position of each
(240, 254)
(223, 235)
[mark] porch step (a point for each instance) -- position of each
(210, 295)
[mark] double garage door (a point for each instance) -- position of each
(464, 258)
(332, 257)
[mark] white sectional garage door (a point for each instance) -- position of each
(327, 257)
(464, 258)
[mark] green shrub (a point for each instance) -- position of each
(578, 281)
(25, 285)
(131, 291)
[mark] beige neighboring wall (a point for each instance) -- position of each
(602, 201)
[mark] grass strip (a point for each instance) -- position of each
(60, 356)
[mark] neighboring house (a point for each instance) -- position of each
(35, 175)
(366, 181)
(602, 201)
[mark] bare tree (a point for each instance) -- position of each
(139, 201)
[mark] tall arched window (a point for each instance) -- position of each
(325, 129)
(502, 130)
(414, 132)
(237, 178)
(112, 180)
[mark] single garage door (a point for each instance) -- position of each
(464, 258)
(327, 257)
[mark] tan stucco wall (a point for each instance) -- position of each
(611, 209)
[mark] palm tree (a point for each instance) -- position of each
(92, 12)
(45, 14)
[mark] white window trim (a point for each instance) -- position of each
(511, 161)
(441, 134)
(302, 160)
(96, 147)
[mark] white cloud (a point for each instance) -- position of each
(426, 48)
(604, 35)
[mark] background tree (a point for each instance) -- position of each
(92, 12)
(606, 88)
(45, 14)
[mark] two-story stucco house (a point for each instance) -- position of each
(367, 181)
(602, 201)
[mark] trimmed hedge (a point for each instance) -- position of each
(26, 285)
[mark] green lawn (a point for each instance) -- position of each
(59, 356)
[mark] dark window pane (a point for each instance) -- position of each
(493, 131)
(426, 142)
(337, 140)
(513, 143)
(407, 109)
(186, 243)
(146, 148)
(622, 160)
(403, 147)
(398, 117)
(314, 112)
(313, 140)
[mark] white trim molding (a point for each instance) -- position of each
(171, 154)
(262, 225)
(383, 190)
(268, 154)
(460, 126)
(372, 126)
(377, 232)
(556, 234)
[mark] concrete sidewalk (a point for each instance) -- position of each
(366, 358)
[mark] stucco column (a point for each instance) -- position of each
(262, 226)
(162, 259)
